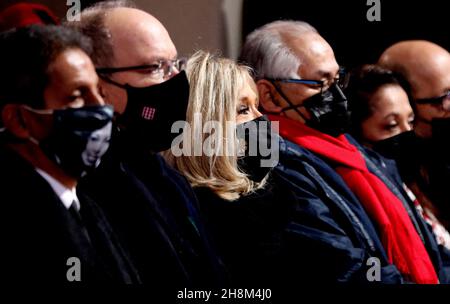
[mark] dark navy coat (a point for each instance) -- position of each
(330, 229)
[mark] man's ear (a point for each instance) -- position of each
(14, 121)
(266, 92)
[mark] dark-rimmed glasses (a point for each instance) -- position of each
(341, 80)
(434, 100)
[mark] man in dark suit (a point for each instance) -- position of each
(152, 205)
(50, 107)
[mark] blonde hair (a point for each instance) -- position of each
(215, 85)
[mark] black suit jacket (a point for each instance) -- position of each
(39, 235)
(155, 212)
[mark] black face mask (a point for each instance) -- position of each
(261, 148)
(406, 149)
(440, 138)
(328, 109)
(78, 139)
(151, 112)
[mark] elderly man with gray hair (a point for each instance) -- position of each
(353, 222)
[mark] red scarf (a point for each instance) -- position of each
(402, 243)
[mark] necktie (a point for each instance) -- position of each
(77, 216)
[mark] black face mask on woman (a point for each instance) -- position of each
(406, 149)
(151, 112)
(261, 148)
(69, 143)
(329, 112)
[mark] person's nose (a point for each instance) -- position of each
(173, 71)
(405, 127)
(258, 113)
(97, 147)
(446, 104)
(95, 99)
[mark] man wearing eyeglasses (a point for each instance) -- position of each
(353, 217)
(426, 67)
(152, 207)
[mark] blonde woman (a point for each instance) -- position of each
(222, 95)
(243, 207)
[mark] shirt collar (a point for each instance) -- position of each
(66, 195)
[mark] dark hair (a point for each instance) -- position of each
(364, 81)
(91, 24)
(25, 55)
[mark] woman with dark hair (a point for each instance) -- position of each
(379, 105)
(380, 112)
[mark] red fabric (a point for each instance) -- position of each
(401, 241)
(24, 14)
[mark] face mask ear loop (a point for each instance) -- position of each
(38, 111)
(339, 91)
(291, 105)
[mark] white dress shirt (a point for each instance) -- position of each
(66, 195)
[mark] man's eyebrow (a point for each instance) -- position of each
(146, 61)
(327, 74)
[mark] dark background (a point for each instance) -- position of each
(344, 25)
(342, 22)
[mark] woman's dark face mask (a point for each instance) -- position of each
(406, 149)
(261, 148)
(410, 151)
(329, 112)
(407, 144)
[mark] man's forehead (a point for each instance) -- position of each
(73, 65)
(327, 68)
(429, 77)
(147, 54)
(310, 44)
(139, 39)
(144, 51)
(316, 56)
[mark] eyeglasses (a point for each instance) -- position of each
(341, 80)
(434, 100)
(159, 70)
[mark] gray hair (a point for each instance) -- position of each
(92, 25)
(266, 50)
